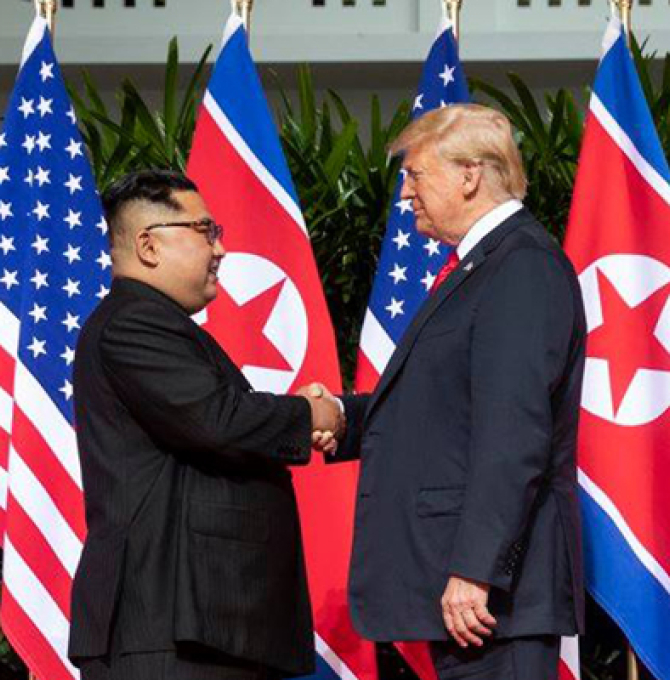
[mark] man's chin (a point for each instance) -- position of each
(424, 228)
(211, 292)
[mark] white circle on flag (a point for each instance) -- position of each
(245, 276)
(635, 278)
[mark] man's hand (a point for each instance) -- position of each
(465, 613)
(328, 421)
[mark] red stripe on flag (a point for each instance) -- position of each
(366, 374)
(36, 552)
(417, 656)
(7, 365)
(564, 672)
(4, 448)
(37, 455)
(641, 225)
(7, 370)
(28, 641)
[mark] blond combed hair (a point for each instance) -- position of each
(471, 133)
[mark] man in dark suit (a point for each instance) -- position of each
(192, 568)
(467, 529)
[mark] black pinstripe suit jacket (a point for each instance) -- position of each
(193, 530)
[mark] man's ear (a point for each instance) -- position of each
(147, 249)
(472, 178)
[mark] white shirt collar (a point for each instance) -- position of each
(486, 225)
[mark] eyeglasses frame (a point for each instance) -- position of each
(213, 232)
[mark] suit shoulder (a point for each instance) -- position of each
(533, 242)
(123, 315)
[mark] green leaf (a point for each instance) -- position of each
(340, 152)
(308, 113)
(536, 125)
(170, 94)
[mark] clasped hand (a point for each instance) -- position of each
(328, 421)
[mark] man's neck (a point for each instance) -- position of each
(486, 223)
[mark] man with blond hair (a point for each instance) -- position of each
(467, 524)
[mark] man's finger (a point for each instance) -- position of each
(451, 627)
(331, 446)
(474, 624)
(464, 636)
(485, 616)
(316, 390)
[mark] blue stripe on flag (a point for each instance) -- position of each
(625, 588)
(250, 115)
(616, 81)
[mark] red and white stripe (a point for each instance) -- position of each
(42, 511)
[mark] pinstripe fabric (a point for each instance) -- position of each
(193, 527)
(193, 664)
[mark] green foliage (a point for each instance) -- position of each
(549, 140)
(656, 89)
(550, 137)
(11, 666)
(344, 191)
(138, 137)
(345, 186)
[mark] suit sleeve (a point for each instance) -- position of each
(167, 381)
(520, 344)
(350, 446)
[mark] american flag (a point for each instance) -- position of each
(408, 265)
(409, 262)
(54, 269)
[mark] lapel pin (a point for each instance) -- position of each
(468, 267)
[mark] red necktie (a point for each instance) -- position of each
(447, 268)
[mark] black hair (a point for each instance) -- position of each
(153, 186)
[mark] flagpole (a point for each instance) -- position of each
(47, 9)
(453, 10)
(625, 9)
(244, 9)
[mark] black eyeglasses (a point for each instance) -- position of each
(211, 231)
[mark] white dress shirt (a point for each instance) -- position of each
(486, 225)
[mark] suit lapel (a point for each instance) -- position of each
(474, 259)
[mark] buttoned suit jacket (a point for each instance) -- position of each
(467, 449)
(193, 533)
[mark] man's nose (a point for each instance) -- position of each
(218, 248)
(407, 190)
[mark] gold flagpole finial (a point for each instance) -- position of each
(625, 8)
(47, 9)
(244, 9)
(453, 12)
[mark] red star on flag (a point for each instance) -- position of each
(631, 328)
(258, 350)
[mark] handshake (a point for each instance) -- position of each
(328, 421)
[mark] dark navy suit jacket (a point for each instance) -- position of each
(467, 449)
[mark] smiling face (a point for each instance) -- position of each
(179, 261)
(439, 190)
